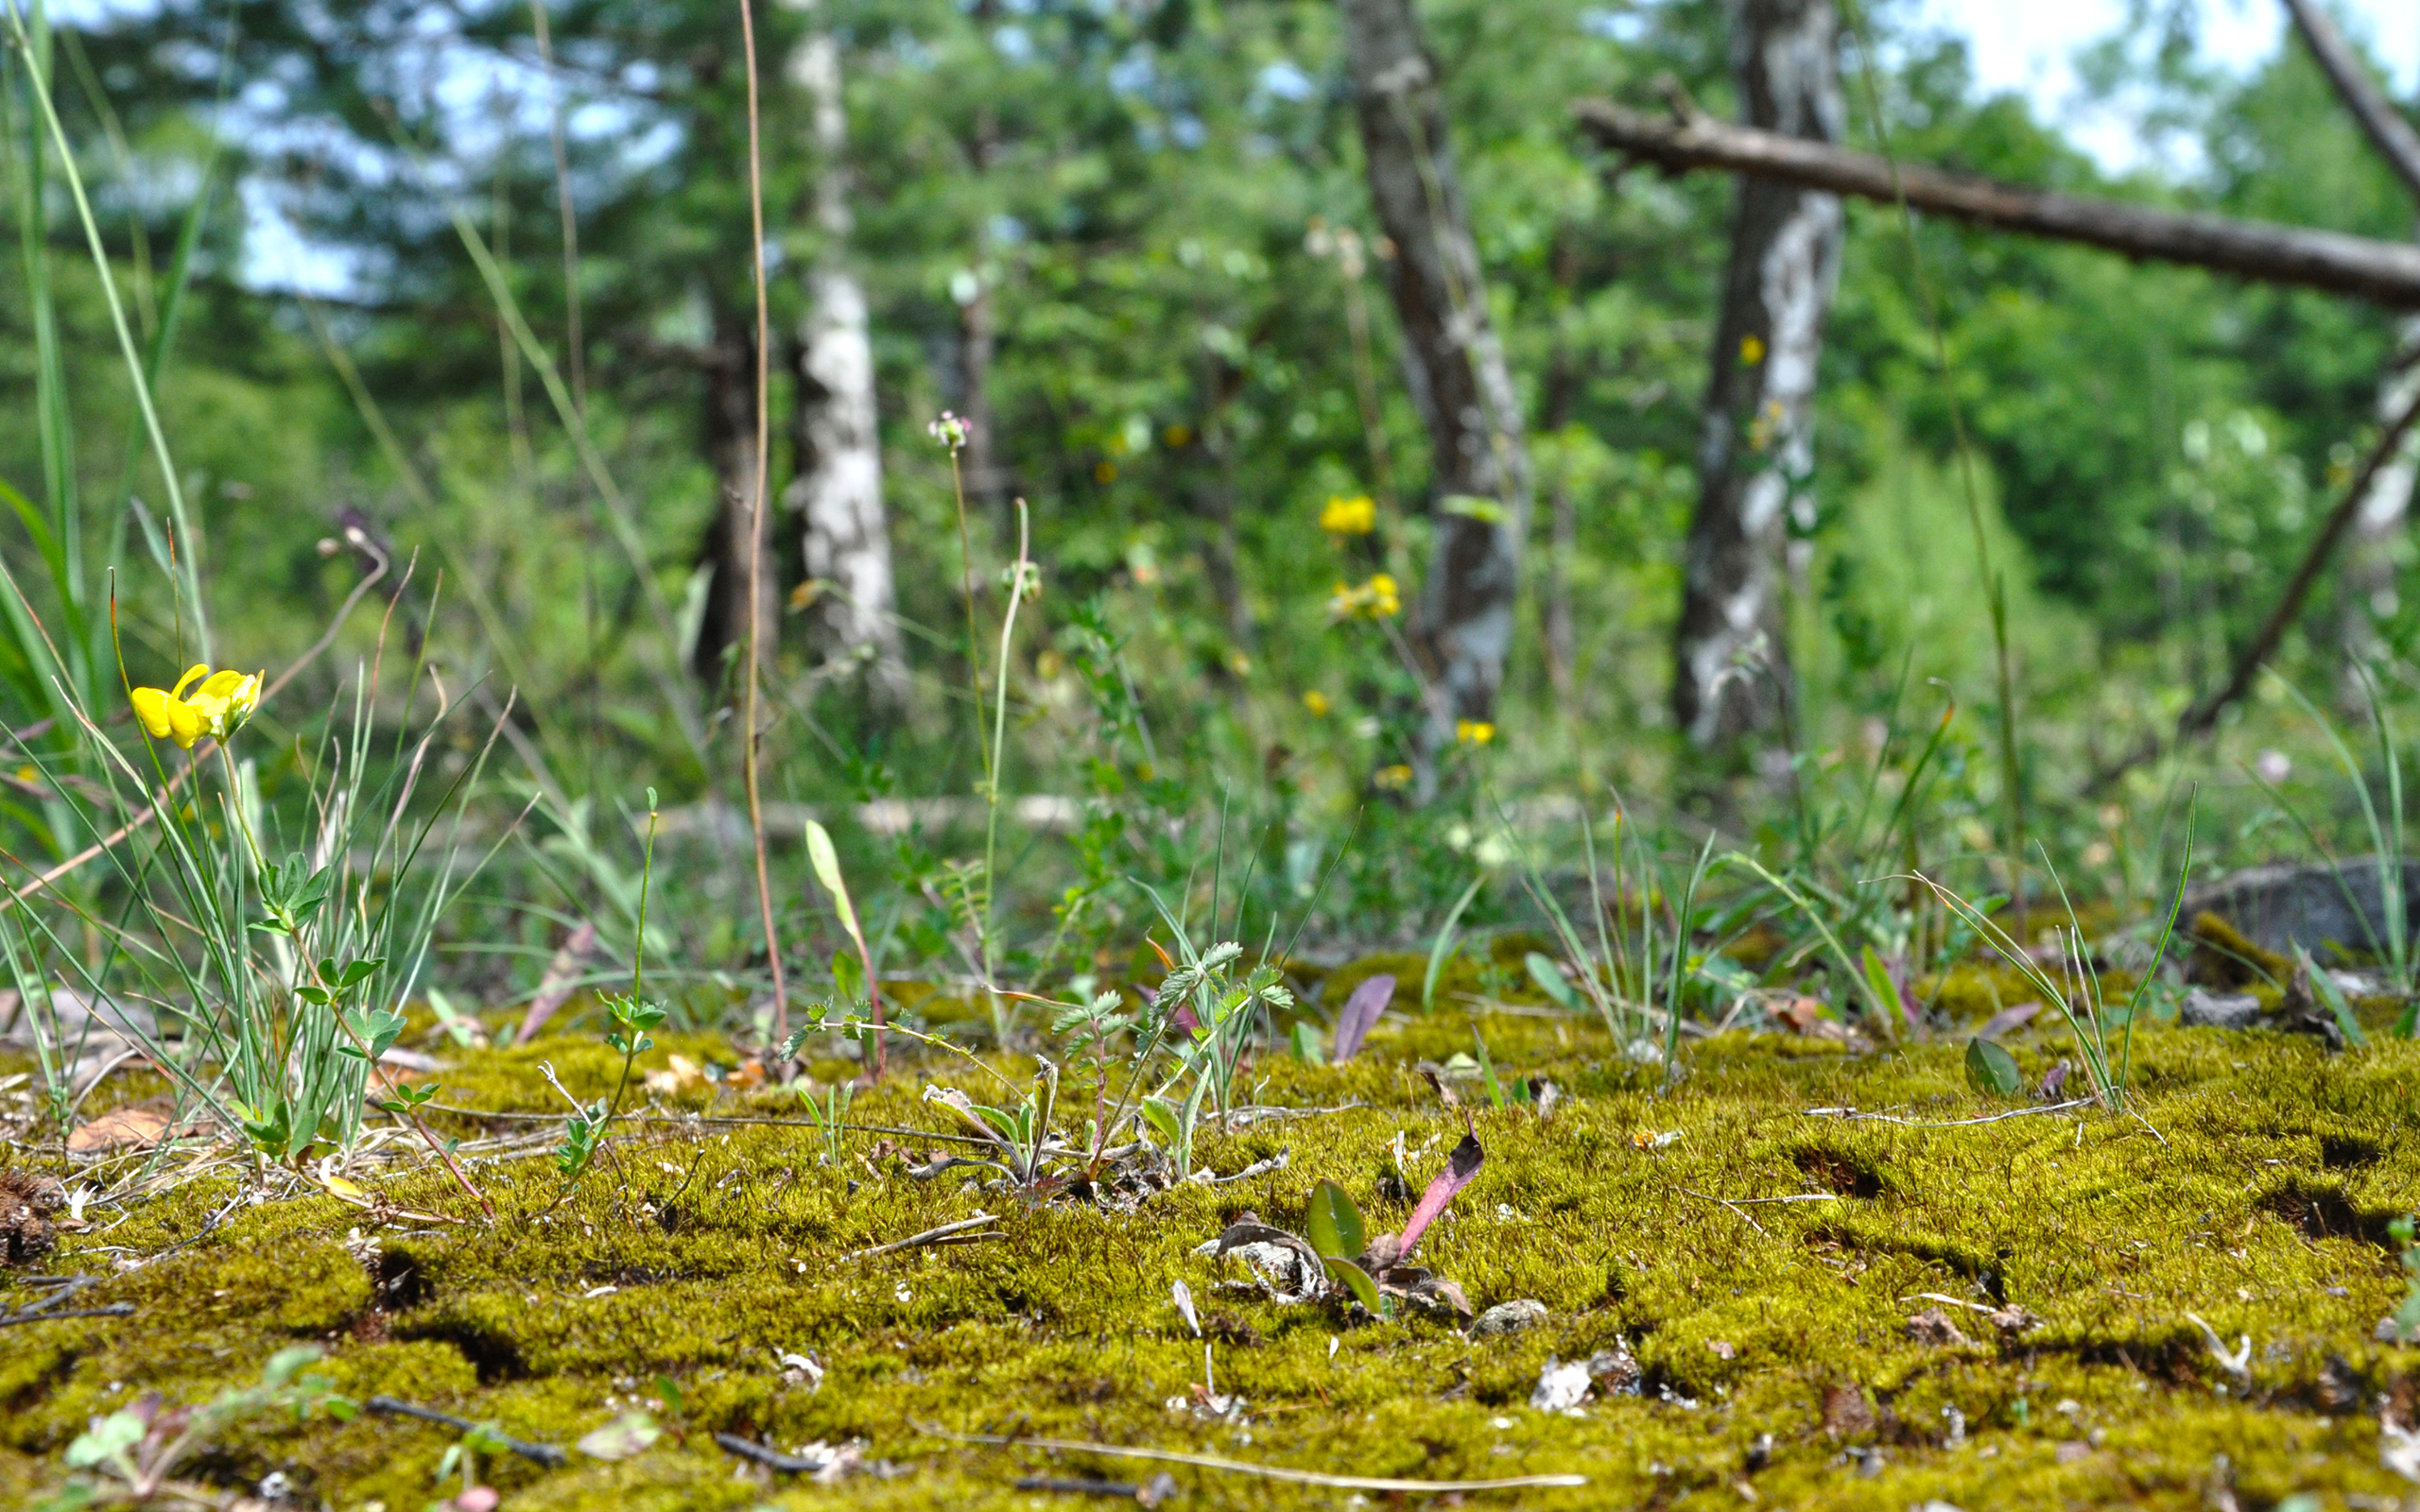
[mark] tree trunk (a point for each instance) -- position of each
(1454, 367)
(986, 481)
(1731, 673)
(835, 430)
(730, 549)
(2371, 554)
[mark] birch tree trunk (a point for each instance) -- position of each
(1732, 672)
(835, 428)
(1454, 365)
(2373, 554)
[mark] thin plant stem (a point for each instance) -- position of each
(638, 963)
(1994, 585)
(1000, 736)
(750, 736)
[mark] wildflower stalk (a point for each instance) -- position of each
(750, 756)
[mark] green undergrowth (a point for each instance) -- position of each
(2255, 1189)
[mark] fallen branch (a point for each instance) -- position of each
(1267, 1472)
(772, 1459)
(1851, 1114)
(2383, 272)
(546, 1454)
(928, 1236)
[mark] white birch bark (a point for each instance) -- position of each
(1731, 668)
(838, 488)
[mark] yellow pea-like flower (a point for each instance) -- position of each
(217, 708)
(1349, 517)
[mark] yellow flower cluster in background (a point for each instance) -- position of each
(217, 708)
(1392, 778)
(1349, 517)
(1376, 599)
(1473, 732)
(1317, 703)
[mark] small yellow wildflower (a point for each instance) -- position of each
(217, 708)
(1473, 732)
(1395, 777)
(1317, 703)
(1376, 599)
(1239, 663)
(1355, 516)
(1751, 350)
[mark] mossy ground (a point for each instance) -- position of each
(2255, 1189)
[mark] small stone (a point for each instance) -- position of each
(25, 1232)
(2218, 1011)
(1615, 1370)
(1935, 1328)
(2072, 1451)
(1846, 1413)
(1560, 1386)
(1508, 1318)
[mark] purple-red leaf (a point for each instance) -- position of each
(1360, 1011)
(1461, 1167)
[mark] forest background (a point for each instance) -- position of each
(1132, 245)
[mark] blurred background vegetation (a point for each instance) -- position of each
(1116, 235)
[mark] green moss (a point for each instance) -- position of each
(2253, 1190)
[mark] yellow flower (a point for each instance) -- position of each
(1473, 732)
(1376, 599)
(1397, 776)
(1317, 703)
(1751, 350)
(1355, 516)
(1383, 603)
(217, 708)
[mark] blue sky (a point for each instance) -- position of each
(2027, 45)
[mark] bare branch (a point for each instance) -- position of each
(2386, 273)
(2379, 120)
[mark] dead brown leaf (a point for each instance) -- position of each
(137, 1126)
(562, 975)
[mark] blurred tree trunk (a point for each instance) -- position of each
(2371, 556)
(733, 541)
(1454, 365)
(1563, 538)
(1731, 668)
(835, 428)
(986, 483)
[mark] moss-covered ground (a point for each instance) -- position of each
(2255, 1189)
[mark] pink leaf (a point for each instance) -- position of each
(1461, 1167)
(1370, 998)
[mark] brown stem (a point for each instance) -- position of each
(749, 760)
